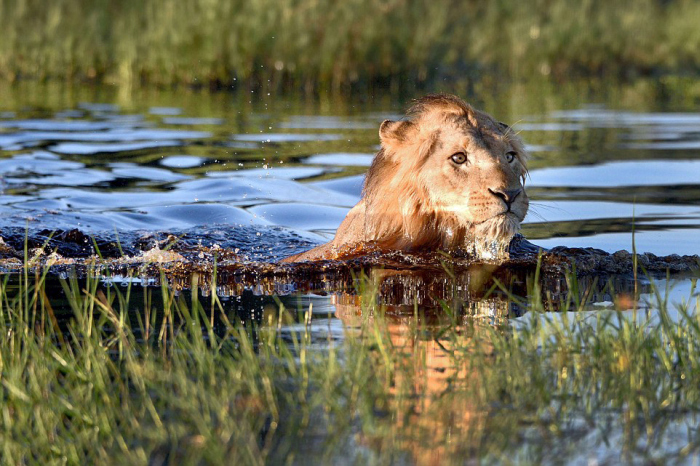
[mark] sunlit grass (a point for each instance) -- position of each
(127, 380)
(306, 43)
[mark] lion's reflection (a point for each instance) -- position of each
(440, 411)
(435, 418)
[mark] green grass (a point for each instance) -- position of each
(308, 44)
(156, 377)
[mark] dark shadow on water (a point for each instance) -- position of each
(239, 267)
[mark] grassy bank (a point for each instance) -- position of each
(173, 381)
(305, 43)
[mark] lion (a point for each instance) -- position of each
(447, 177)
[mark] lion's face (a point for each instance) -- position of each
(476, 175)
(447, 176)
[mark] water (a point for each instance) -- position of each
(265, 177)
(598, 171)
(650, 184)
(270, 176)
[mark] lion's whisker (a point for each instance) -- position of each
(537, 214)
(548, 207)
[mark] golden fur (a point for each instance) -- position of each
(420, 194)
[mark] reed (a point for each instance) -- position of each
(292, 44)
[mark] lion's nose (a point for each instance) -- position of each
(506, 195)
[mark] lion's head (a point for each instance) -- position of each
(446, 177)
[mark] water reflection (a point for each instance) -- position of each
(476, 380)
(431, 418)
(620, 175)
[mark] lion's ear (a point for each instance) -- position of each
(392, 133)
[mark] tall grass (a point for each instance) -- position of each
(307, 43)
(124, 381)
(91, 391)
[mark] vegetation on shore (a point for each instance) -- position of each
(310, 44)
(166, 379)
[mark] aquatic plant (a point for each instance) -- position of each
(161, 377)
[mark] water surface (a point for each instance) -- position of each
(598, 171)
(270, 176)
(266, 177)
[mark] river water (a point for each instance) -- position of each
(101, 162)
(268, 176)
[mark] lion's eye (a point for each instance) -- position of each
(510, 156)
(459, 158)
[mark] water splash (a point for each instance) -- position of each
(490, 251)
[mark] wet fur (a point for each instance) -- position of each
(402, 207)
